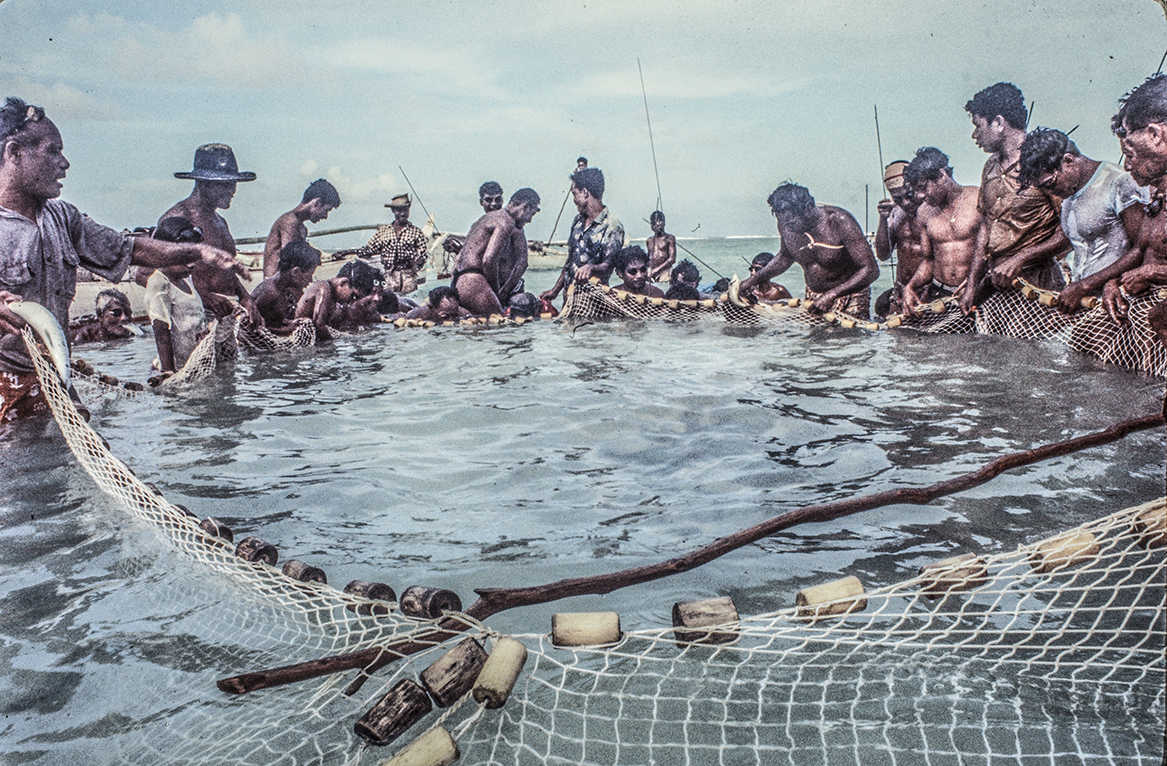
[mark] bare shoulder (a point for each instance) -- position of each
(839, 220)
(969, 195)
(179, 209)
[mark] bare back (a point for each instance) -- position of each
(287, 228)
(215, 233)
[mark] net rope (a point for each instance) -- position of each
(1022, 312)
(1029, 664)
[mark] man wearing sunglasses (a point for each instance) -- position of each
(1141, 126)
(1100, 210)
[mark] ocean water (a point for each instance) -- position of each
(497, 457)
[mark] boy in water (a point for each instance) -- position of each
(322, 300)
(371, 301)
(276, 297)
(662, 247)
(765, 290)
(631, 265)
(112, 308)
(442, 306)
(173, 305)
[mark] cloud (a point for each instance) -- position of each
(358, 188)
(65, 102)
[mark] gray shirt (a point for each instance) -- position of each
(1091, 218)
(39, 260)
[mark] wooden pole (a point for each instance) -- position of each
(494, 600)
(417, 196)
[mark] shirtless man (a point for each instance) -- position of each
(1141, 126)
(632, 266)
(1100, 210)
(442, 306)
(661, 246)
(490, 197)
(215, 175)
(765, 290)
(830, 246)
(900, 230)
(276, 298)
(494, 257)
(320, 199)
(950, 232)
(1022, 235)
(322, 301)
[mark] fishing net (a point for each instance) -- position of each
(1047, 653)
(259, 339)
(1022, 312)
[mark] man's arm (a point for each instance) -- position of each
(884, 237)
(922, 275)
(422, 248)
(498, 239)
(518, 265)
(778, 264)
(980, 263)
(157, 254)
(164, 344)
(553, 293)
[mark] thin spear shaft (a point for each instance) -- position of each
(566, 197)
(651, 143)
(494, 600)
(417, 196)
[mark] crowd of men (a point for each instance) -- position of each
(1043, 211)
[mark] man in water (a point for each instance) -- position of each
(631, 265)
(765, 290)
(1100, 210)
(494, 258)
(320, 199)
(684, 281)
(830, 246)
(276, 297)
(490, 197)
(1022, 233)
(1141, 126)
(581, 163)
(323, 301)
(596, 235)
(401, 246)
(112, 308)
(952, 228)
(661, 246)
(43, 240)
(442, 305)
(900, 230)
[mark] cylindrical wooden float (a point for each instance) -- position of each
(499, 672)
(254, 549)
(216, 528)
(375, 591)
(585, 628)
(691, 620)
(429, 603)
(955, 573)
(298, 570)
(453, 674)
(401, 707)
(434, 748)
(1063, 551)
(830, 599)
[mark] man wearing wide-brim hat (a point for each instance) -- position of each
(215, 174)
(401, 246)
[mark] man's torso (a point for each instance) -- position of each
(1091, 219)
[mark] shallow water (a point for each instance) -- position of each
(506, 456)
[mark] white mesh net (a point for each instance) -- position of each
(1050, 653)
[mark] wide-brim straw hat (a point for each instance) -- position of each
(215, 162)
(400, 200)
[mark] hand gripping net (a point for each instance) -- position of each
(1050, 653)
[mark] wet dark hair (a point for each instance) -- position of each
(299, 254)
(525, 196)
(1142, 106)
(656, 216)
(761, 259)
(682, 291)
(1042, 152)
(15, 116)
(1004, 99)
(177, 229)
(523, 305)
(580, 159)
(439, 293)
(929, 164)
(490, 187)
(389, 303)
(591, 179)
(323, 191)
(364, 278)
(686, 270)
(116, 295)
(628, 255)
(791, 198)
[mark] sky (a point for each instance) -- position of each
(742, 96)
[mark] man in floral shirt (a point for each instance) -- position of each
(596, 235)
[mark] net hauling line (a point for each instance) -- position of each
(491, 601)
